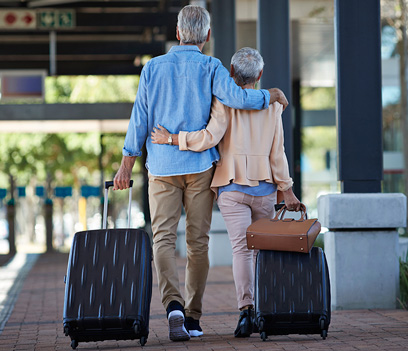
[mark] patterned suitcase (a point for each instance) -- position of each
(292, 293)
(108, 284)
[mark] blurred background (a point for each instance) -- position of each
(69, 73)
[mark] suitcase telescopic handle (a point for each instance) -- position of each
(108, 184)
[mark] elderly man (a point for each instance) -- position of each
(176, 90)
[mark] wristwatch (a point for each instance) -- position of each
(170, 140)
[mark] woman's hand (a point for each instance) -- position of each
(291, 201)
(160, 135)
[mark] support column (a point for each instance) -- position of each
(11, 220)
(359, 109)
(102, 177)
(223, 30)
(48, 216)
(297, 140)
(11, 217)
(53, 53)
(273, 41)
(361, 245)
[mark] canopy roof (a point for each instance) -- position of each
(92, 37)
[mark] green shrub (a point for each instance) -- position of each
(403, 300)
(319, 241)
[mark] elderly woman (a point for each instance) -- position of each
(252, 167)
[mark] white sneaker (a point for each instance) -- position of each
(195, 333)
(177, 330)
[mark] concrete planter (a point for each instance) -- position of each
(362, 248)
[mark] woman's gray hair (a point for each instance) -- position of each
(193, 23)
(247, 63)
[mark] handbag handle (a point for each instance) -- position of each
(280, 214)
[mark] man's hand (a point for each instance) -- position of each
(279, 96)
(160, 135)
(122, 178)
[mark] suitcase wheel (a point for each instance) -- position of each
(143, 340)
(74, 344)
(136, 327)
(322, 323)
(263, 336)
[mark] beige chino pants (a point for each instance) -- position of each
(166, 197)
(239, 210)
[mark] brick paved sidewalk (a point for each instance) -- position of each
(36, 321)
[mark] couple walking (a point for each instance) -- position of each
(178, 92)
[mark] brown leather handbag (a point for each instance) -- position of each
(283, 234)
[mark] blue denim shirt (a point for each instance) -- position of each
(175, 91)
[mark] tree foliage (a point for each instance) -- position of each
(316, 142)
(90, 89)
(396, 16)
(63, 159)
(318, 98)
(68, 158)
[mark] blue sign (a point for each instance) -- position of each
(3, 193)
(40, 191)
(63, 191)
(21, 191)
(24, 86)
(87, 191)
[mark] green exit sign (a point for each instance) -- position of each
(56, 19)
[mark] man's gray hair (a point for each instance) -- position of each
(193, 23)
(247, 63)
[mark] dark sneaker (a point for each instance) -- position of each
(193, 326)
(255, 328)
(175, 315)
(245, 325)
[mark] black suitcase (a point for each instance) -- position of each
(108, 284)
(292, 293)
